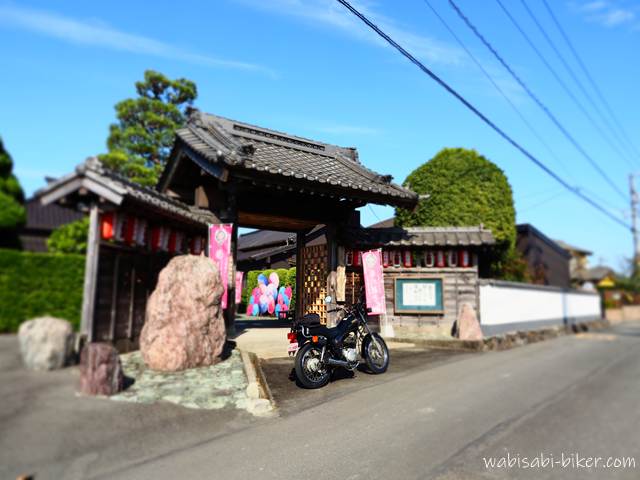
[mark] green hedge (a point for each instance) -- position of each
(36, 284)
(287, 277)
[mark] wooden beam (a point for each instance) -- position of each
(90, 274)
(275, 222)
(300, 243)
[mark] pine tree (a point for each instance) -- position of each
(140, 143)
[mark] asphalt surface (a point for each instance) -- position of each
(437, 417)
(572, 394)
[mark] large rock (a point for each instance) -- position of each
(100, 370)
(46, 343)
(184, 327)
(468, 325)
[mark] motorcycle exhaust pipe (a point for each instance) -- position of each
(338, 363)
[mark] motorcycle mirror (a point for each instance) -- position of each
(327, 299)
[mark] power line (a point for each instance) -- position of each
(544, 108)
(562, 83)
(477, 112)
(496, 86)
(575, 78)
(590, 78)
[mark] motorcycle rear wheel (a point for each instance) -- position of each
(310, 372)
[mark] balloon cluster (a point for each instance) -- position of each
(269, 297)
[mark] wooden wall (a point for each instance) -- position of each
(125, 281)
(460, 285)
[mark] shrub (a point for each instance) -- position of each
(70, 238)
(36, 284)
(466, 189)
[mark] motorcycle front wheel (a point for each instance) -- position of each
(375, 353)
(310, 371)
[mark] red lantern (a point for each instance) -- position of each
(397, 258)
(175, 241)
(429, 259)
(140, 232)
(129, 228)
(348, 260)
(107, 225)
(464, 260)
(159, 239)
(407, 258)
(197, 244)
(452, 258)
(439, 259)
(357, 258)
(385, 258)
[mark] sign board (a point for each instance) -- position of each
(418, 295)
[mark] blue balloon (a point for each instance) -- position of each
(263, 307)
(252, 300)
(255, 310)
(277, 310)
(281, 291)
(262, 279)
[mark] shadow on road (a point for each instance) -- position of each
(291, 398)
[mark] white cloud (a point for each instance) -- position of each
(616, 17)
(609, 13)
(96, 34)
(594, 6)
(329, 12)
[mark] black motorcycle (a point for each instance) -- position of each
(318, 349)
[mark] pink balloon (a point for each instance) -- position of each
(249, 309)
(288, 291)
(263, 288)
(274, 279)
(280, 299)
(271, 307)
(284, 308)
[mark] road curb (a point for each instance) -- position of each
(260, 400)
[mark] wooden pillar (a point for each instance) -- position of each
(332, 264)
(90, 274)
(229, 214)
(301, 239)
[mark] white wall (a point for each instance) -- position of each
(506, 306)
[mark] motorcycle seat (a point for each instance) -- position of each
(310, 320)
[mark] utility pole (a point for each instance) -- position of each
(634, 228)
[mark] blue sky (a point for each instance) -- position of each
(309, 68)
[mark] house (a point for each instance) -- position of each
(41, 221)
(579, 262)
(548, 262)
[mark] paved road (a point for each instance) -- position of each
(573, 394)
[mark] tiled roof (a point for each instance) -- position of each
(93, 176)
(241, 146)
(420, 236)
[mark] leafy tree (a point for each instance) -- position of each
(12, 212)
(140, 143)
(69, 238)
(466, 189)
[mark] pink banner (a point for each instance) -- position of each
(239, 286)
(220, 252)
(373, 281)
